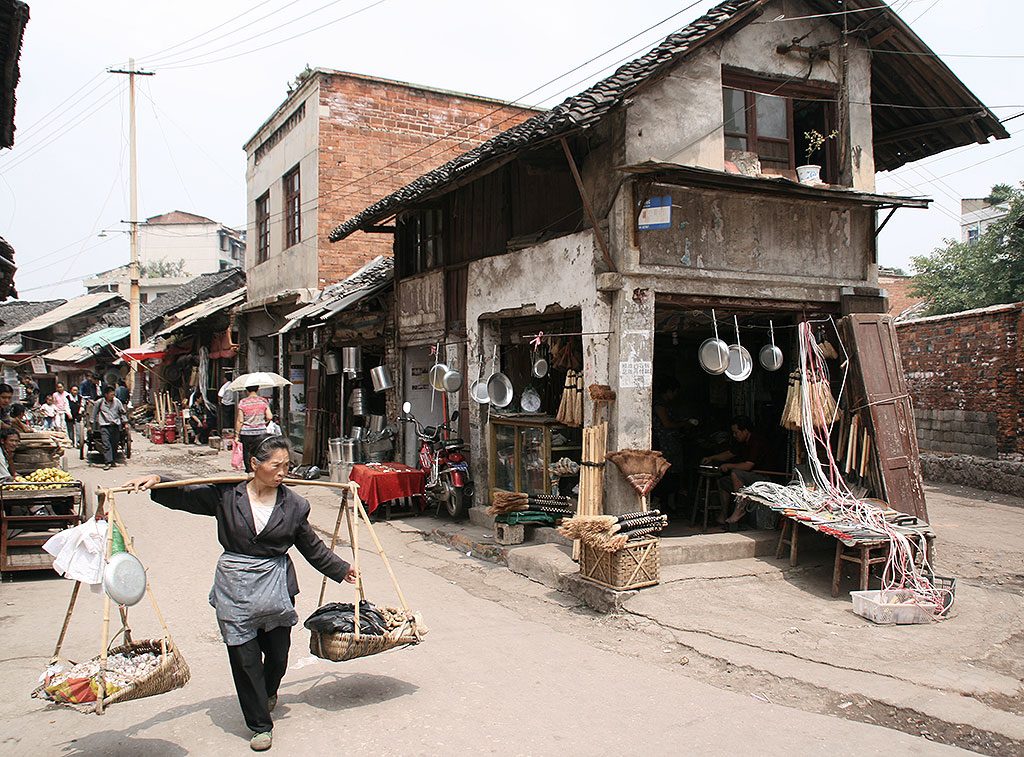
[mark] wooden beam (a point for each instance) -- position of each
(598, 236)
(914, 131)
(882, 36)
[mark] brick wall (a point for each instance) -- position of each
(965, 372)
(898, 288)
(367, 124)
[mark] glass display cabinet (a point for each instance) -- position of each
(522, 450)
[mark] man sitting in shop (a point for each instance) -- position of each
(738, 464)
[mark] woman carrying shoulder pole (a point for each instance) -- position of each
(254, 586)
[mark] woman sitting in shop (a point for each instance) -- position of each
(737, 464)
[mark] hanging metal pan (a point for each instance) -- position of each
(436, 376)
(530, 401)
(713, 354)
(740, 363)
(452, 381)
(770, 355)
(478, 389)
(124, 579)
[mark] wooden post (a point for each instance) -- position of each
(602, 243)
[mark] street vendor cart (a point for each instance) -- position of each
(30, 513)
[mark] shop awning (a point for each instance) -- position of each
(203, 310)
(151, 350)
(69, 309)
(372, 278)
(89, 346)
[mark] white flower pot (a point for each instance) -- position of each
(809, 174)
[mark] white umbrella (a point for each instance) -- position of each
(262, 379)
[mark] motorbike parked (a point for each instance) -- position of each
(441, 458)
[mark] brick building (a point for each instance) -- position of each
(965, 373)
(338, 142)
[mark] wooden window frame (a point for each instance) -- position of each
(291, 182)
(752, 85)
(263, 227)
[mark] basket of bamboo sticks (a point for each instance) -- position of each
(634, 566)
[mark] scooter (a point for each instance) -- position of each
(448, 484)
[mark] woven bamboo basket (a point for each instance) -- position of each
(339, 647)
(633, 567)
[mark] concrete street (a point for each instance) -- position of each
(509, 666)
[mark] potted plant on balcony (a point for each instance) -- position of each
(810, 173)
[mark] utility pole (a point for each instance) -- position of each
(134, 316)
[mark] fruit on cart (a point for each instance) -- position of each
(44, 478)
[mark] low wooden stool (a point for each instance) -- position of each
(864, 555)
(706, 497)
(789, 537)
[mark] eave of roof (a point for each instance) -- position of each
(69, 309)
(12, 30)
(590, 106)
(706, 178)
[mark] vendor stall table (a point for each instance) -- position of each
(863, 550)
(29, 518)
(381, 483)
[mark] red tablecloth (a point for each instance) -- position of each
(381, 482)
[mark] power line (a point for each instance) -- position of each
(25, 131)
(170, 152)
(183, 64)
(160, 53)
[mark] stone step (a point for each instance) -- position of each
(478, 516)
(717, 547)
(544, 563)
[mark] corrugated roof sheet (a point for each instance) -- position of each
(69, 309)
(89, 346)
(202, 287)
(16, 312)
(371, 278)
(905, 129)
(203, 310)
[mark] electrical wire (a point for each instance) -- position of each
(160, 53)
(170, 152)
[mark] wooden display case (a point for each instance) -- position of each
(521, 449)
(29, 518)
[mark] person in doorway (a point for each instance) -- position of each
(274, 427)
(254, 586)
(668, 436)
(737, 464)
(31, 391)
(251, 417)
(226, 399)
(201, 418)
(10, 440)
(48, 411)
(75, 406)
(122, 393)
(110, 418)
(6, 398)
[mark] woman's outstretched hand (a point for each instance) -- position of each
(351, 576)
(141, 484)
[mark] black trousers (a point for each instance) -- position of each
(111, 438)
(258, 667)
(249, 443)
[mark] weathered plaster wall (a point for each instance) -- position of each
(679, 118)
(555, 275)
(421, 308)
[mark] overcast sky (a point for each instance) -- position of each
(66, 178)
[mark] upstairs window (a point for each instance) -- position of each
(770, 119)
(263, 228)
(420, 241)
(292, 208)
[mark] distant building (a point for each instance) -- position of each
(897, 286)
(173, 248)
(976, 215)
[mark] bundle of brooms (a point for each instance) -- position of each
(510, 502)
(823, 404)
(611, 533)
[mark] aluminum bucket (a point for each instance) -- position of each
(340, 472)
(334, 450)
(352, 360)
(381, 378)
(375, 424)
(351, 451)
(357, 402)
(333, 363)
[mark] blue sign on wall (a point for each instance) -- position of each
(656, 214)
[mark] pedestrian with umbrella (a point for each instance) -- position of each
(252, 412)
(254, 586)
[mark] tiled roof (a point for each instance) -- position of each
(178, 216)
(16, 312)
(902, 134)
(13, 17)
(70, 309)
(371, 278)
(203, 287)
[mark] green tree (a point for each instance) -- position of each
(962, 276)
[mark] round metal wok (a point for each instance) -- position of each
(452, 380)
(436, 376)
(124, 579)
(713, 353)
(770, 355)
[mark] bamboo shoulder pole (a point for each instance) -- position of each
(236, 479)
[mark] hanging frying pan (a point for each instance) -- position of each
(124, 579)
(539, 369)
(499, 387)
(713, 354)
(740, 363)
(436, 376)
(770, 355)
(478, 389)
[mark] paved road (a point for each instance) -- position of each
(490, 679)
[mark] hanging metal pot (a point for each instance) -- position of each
(770, 356)
(451, 381)
(352, 360)
(740, 363)
(713, 353)
(530, 400)
(333, 362)
(478, 389)
(124, 579)
(381, 378)
(436, 376)
(539, 369)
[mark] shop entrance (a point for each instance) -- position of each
(697, 415)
